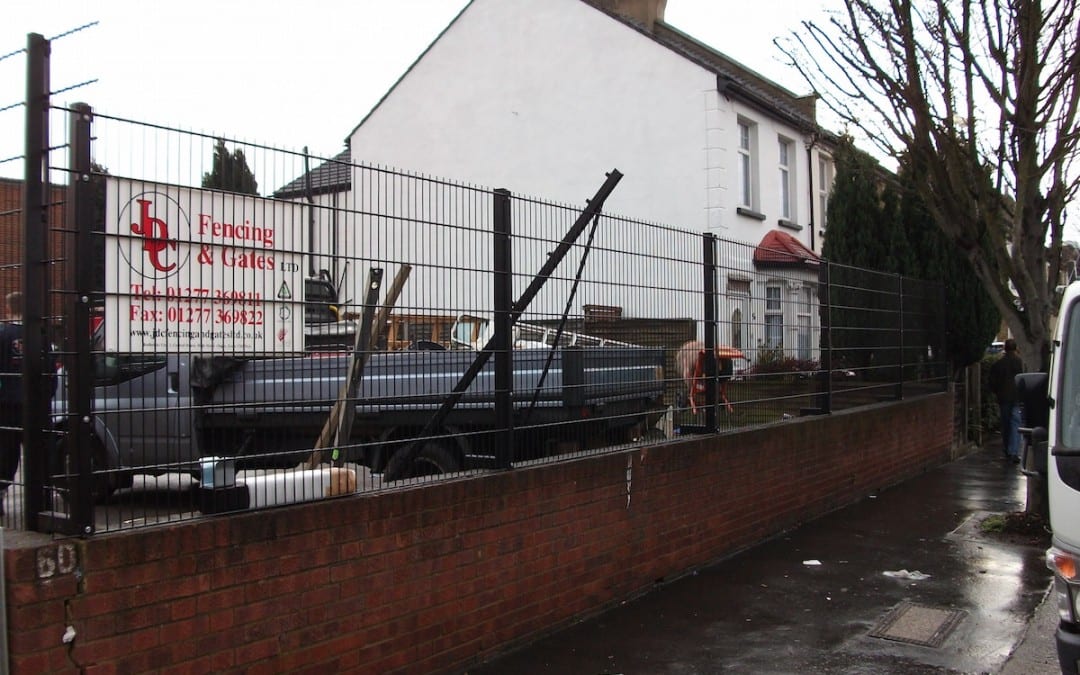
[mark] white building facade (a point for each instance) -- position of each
(543, 98)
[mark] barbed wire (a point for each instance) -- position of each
(14, 53)
(66, 33)
(52, 93)
(74, 86)
(74, 30)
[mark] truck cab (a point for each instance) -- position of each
(472, 331)
(1055, 397)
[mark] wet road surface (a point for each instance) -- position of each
(772, 610)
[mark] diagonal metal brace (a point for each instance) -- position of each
(401, 460)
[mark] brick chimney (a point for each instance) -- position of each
(644, 12)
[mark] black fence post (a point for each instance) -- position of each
(79, 429)
(35, 270)
(503, 338)
(900, 337)
(825, 300)
(709, 286)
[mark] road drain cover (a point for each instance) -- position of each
(918, 624)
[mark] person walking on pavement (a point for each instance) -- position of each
(1003, 383)
(11, 394)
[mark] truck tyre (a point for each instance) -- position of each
(653, 436)
(434, 458)
(104, 484)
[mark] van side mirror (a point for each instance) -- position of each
(1032, 388)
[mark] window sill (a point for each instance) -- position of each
(784, 222)
(749, 213)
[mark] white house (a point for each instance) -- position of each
(543, 97)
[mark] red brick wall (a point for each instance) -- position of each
(431, 578)
(11, 237)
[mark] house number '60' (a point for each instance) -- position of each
(52, 561)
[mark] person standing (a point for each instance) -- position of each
(1003, 383)
(11, 394)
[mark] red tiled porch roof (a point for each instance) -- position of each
(780, 248)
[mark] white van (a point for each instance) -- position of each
(1052, 411)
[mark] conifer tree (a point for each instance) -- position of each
(970, 314)
(230, 171)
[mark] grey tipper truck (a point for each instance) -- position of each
(160, 413)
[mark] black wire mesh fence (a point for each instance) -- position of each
(238, 326)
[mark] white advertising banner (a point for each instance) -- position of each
(202, 271)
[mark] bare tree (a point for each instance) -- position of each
(981, 99)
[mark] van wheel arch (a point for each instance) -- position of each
(447, 453)
(106, 479)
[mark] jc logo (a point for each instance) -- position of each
(155, 234)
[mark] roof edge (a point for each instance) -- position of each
(408, 70)
(738, 65)
(793, 112)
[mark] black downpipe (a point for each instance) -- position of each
(311, 214)
(401, 460)
(810, 183)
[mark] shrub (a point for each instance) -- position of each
(771, 361)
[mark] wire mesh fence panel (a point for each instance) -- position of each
(241, 326)
(12, 114)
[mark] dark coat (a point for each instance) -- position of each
(1003, 377)
(11, 357)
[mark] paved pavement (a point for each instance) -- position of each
(1036, 654)
(819, 599)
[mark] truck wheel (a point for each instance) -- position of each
(653, 436)
(434, 458)
(104, 484)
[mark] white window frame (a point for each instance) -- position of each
(825, 181)
(774, 315)
(804, 338)
(747, 168)
(786, 165)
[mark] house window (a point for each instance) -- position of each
(825, 180)
(805, 336)
(746, 165)
(787, 156)
(774, 317)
